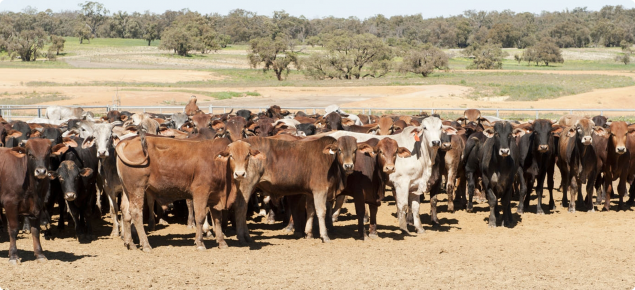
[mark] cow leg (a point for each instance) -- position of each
(433, 211)
(522, 193)
(114, 210)
(491, 199)
(12, 225)
(366, 216)
(621, 189)
(372, 232)
(360, 211)
(566, 180)
(608, 184)
(79, 231)
(190, 213)
(240, 215)
(319, 201)
(339, 202)
(220, 237)
(136, 211)
(507, 207)
(151, 216)
(35, 236)
(310, 212)
(590, 187)
(539, 189)
(449, 188)
(26, 225)
(471, 183)
(631, 194)
(460, 192)
(573, 188)
(414, 205)
(401, 200)
(550, 173)
(126, 221)
(199, 209)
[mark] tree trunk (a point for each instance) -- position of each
(81, 40)
(278, 75)
(149, 42)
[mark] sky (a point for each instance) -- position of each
(322, 8)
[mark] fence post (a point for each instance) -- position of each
(601, 113)
(497, 113)
(39, 112)
(432, 112)
(224, 110)
(210, 109)
(570, 112)
(369, 112)
(537, 114)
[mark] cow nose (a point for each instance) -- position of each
(436, 143)
(40, 173)
(504, 152)
(620, 150)
(543, 147)
(389, 168)
(348, 166)
(70, 196)
(586, 140)
(239, 174)
(102, 153)
(446, 146)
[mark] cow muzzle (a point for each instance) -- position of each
(620, 150)
(586, 140)
(389, 169)
(543, 148)
(70, 196)
(446, 146)
(40, 173)
(348, 167)
(102, 154)
(240, 175)
(504, 152)
(436, 143)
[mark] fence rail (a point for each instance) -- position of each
(22, 111)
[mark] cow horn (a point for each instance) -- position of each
(125, 159)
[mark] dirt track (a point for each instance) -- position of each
(557, 250)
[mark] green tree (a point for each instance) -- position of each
(150, 32)
(178, 39)
(57, 43)
(93, 14)
(548, 51)
(273, 54)
(423, 60)
(27, 43)
(486, 56)
(82, 31)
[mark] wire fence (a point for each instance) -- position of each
(35, 111)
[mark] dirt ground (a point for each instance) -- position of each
(579, 250)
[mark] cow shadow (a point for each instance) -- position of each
(516, 219)
(26, 256)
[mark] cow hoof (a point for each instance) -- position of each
(335, 219)
(405, 232)
(540, 212)
(223, 245)
(209, 234)
(572, 210)
(373, 236)
(147, 249)
(262, 213)
(190, 226)
(271, 221)
(201, 248)
(469, 209)
(366, 219)
(114, 234)
(309, 236)
(42, 259)
(520, 211)
(163, 222)
(420, 231)
(492, 225)
(14, 262)
(326, 239)
(130, 246)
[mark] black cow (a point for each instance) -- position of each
(245, 114)
(308, 129)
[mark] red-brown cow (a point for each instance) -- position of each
(620, 160)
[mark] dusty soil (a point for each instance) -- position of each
(557, 250)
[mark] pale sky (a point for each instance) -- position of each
(321, 8)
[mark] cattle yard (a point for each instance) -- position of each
(558, 249)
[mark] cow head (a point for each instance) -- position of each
(430, 132)
(99, 134)
(239, 154)
(345, 150)
(179, 120)
(71, 178)
(201, 121)
(386, 126)
(618, 132)
(334, 121)
(38, 152)
(542, 131)
(583, 131)
(235, 129)
(503, 135)
(387, 151)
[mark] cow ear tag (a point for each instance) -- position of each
(417, 138)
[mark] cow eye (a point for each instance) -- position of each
(231, 157)
(425, 128)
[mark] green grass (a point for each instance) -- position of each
(72, 43)
(216, 95)
(34, 64)
(30, 98)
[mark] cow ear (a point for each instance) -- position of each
(631, 128)
(601, 131)
(489, 132)
(88, 142)
(449, 130)
(69, 142)
(223, 156)
(35, 133)
(347, 122)
(461, 120)
(330, 149)
(105, 118)
(571, 132)
(257, 154)
(218, 124)
(59, 149)
(115, 140)
(248, 132)
(52, 175)
(18, 152)
(14, 134)
(518, 132)
(460, 131)
(123, 118)
(403, 152)
(366, 149)
(86, 172)
(530, 121)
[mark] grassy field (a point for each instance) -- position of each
(29, 98)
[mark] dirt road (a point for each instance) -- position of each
(557, 250)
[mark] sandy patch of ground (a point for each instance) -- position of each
(17, 77)
(557, 250)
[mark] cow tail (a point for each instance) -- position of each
(468, 150)
(142, 138)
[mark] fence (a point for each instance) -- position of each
(28, 112)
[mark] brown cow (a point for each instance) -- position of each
(297, 167)
(191, 108)
(151, 170)
(619, 163)
(471, 115)
(386, 126)
(367, 129)
(24, 182)
(236, 129)
(578, 161)
(204, 121)
(367, 183)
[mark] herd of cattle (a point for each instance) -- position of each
(294, 167)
